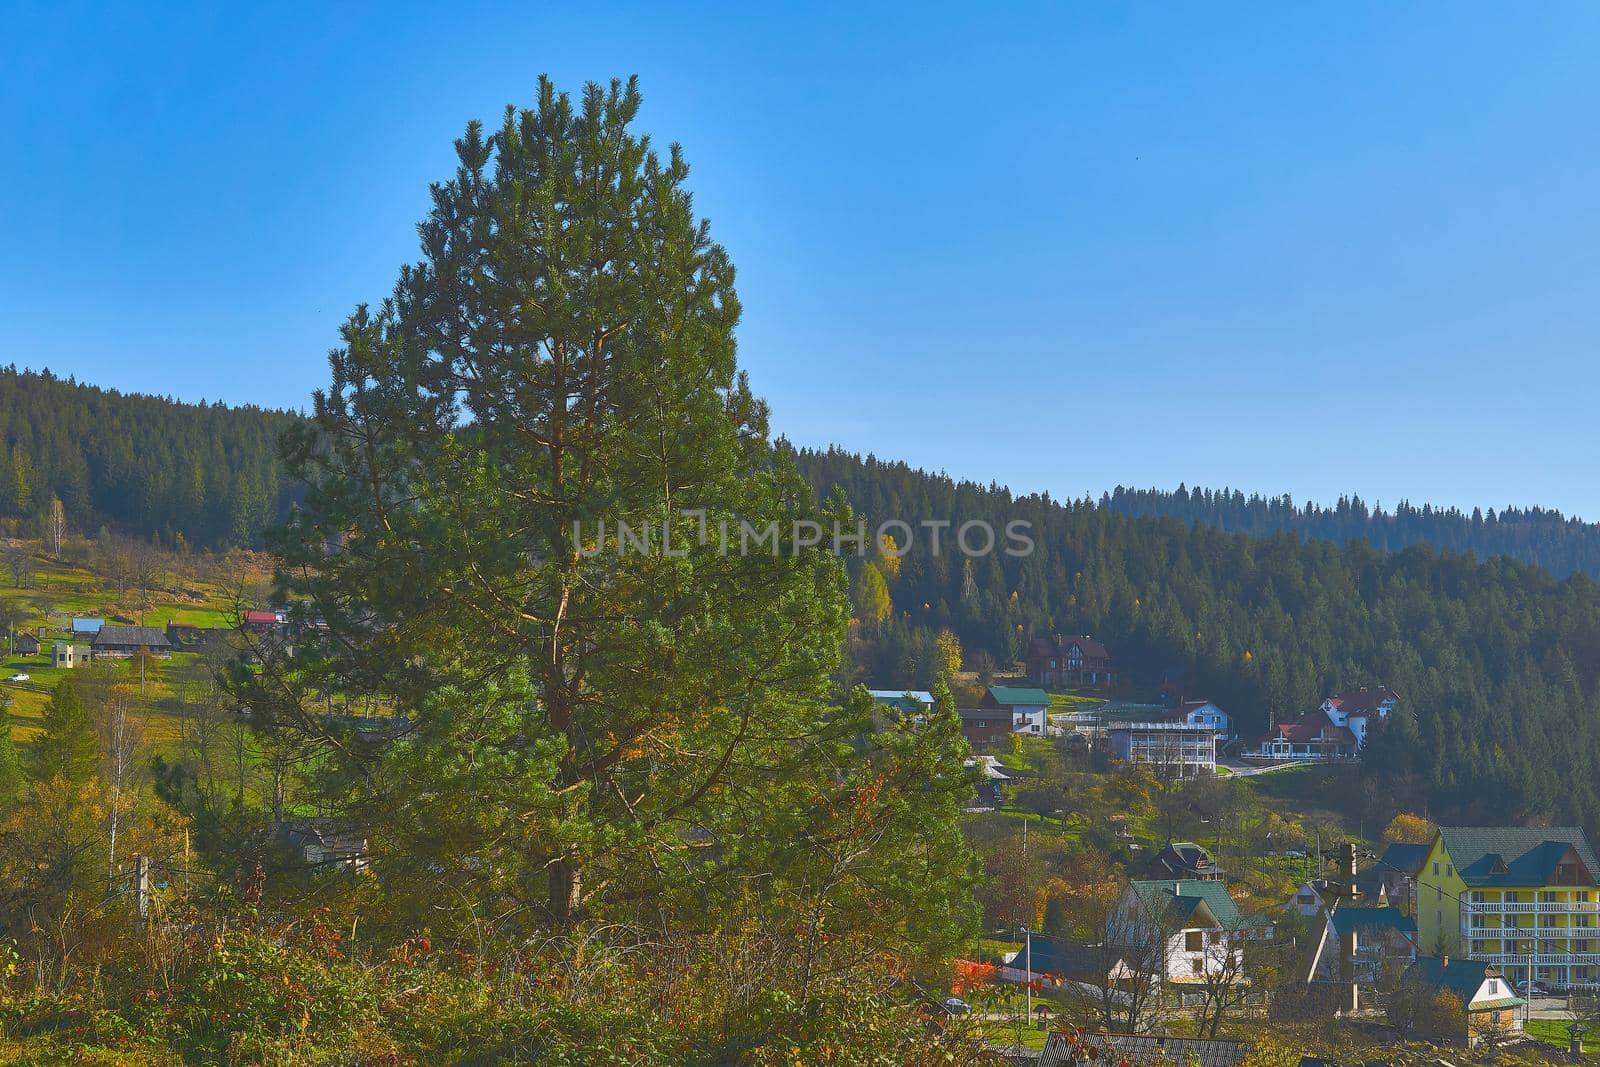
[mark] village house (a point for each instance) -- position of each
(1186, 928)
(1312, 896)
(1028, 708)
(907, 700)
(1489, 1003)
(1182, 860)
(1384, 940)
(261, 622)
(992, 779)
(1393, 878)
(1358, 708)
(65, 655)
(1058, 660)
(984, 726)
(120, 642)
(27, 644)
(1204, 715)
(323, 841)
(1310, 737)
(84, 629)
(1335, 730)
(1524, 899)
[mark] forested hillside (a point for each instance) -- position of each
(1534, 535)
(154, 466)
(145, 464)
(1496, 661)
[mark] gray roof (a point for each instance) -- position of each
(1348, 918)
(1514, 855)
(152, 637)
(1401, 858)
(1045, 956)
(1142, 1048)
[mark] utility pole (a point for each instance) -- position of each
(141, 885)
(1027, 971)
(1349, 942)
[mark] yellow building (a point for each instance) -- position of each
(1523, 899)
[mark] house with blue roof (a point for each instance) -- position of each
(1384, 939)
(1489, 1004)
(1524, 898)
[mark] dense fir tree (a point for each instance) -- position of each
(1497, 663)
(12, 778)
(68, 746)
(148, 465)
(585, 722)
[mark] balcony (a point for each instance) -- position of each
(1538, 959)
(1531, 907)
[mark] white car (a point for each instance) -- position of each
(956, 1006)
(20, 676)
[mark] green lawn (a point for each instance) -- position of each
(1060, 702)
(1554, 1032)
(1009, 1033)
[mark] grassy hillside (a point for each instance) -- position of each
(91, 583)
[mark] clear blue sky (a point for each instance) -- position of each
(1349, 249)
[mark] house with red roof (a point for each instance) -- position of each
(1059, 660)
(1357, 708)
(261, 622)
(1311, 737)
(1336, 730)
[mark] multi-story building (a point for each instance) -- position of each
(1523, 899)
(1182, 744)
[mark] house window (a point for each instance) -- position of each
(1449, 870)
(1194, 941)
(1436, 868)
(1197, 966)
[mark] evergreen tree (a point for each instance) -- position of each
(582, 717)
(12, 780)
(68, 746)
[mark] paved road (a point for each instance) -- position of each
(1245, 770)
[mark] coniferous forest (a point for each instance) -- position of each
(1258, 603)
(1498, 662)
(205, 474)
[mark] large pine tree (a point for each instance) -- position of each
(583, 722)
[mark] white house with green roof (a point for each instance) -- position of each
(1489, 1003)
(1029, 708)
(1525, 899)
(1184, 928)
